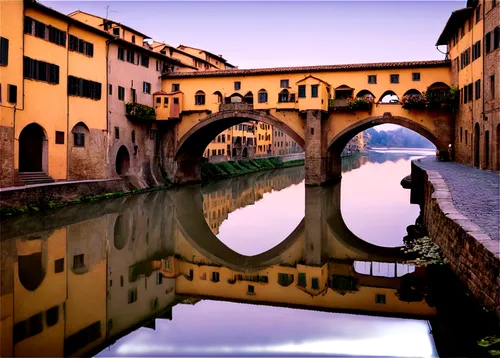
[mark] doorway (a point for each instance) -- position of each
(32, 149)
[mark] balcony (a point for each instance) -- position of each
(240, 106)
(349, 104)
(140, 112)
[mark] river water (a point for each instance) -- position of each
(257, 265)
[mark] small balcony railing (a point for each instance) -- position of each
(235, 107)
(140, 111)
(350, 104)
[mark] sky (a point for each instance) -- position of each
(257, 34)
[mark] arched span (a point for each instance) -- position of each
(193, 143)
(192, 225)
(340, 140)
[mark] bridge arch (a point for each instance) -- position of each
(192, 144)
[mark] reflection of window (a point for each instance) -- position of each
(251, 290)
(132, 295)
(302, 279)
(78, 261)
(59, 265)
(52, 316)
(380, 299)
(28, 328)
(159, 278)
(315, 283)
(215, 277)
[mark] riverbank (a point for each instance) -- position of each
(41, 197)
(459, 207)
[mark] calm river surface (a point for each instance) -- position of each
(258, 265)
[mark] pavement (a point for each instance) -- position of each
(475, 192)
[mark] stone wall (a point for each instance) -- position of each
(89, 161)
(473, 256)
(6, 156)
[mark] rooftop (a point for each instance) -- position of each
(309, 69)
(456, 20)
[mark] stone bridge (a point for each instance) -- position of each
(320, 107)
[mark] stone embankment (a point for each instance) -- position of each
(467, 233)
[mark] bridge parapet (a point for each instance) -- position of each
(235, 107)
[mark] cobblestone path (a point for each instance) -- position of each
(475, 192)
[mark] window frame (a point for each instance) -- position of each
(394, 78)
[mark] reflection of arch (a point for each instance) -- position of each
(413, 92)
(476, 144)
(365, 94)
(193, 143)
(32, 266)
(120, 232)
(244, 152)
(219, 96)
(389, 96)
(33, 149)
(234, 152)
(122, 161)
(248, 98)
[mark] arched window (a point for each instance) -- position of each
(199, 98)
(219, 96)
(343, 92)
(79, 131)
(413, 92)
(262, 96)
(234, 98)
(365, 94)
(248, 98)
(284, 96)
(389, 97)
(438, 89)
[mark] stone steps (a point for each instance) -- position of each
(31, 178)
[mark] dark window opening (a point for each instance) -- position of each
(121, 93)
(4, 51)
(394, 78)
(284, 84)
(52, 316)
(121, 53)
(145, 61)
(79, 139)
(11, 93)
(116, 31)
(78, 261)
(302, 91)
(59, 137)
(380, 299)
(372, 79)
(41, 71)
(415, 76)
(314, 91)
(237, 86)
(59, 265)
(176, 87)
(84, 88)
(117, 133)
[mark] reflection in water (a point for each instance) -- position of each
(103, 270)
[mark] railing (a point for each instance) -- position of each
(235, 107)
(349, 104)
(140, 111)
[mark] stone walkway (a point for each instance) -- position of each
(475, 192)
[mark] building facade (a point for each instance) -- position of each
(283, 144)
(472, 37)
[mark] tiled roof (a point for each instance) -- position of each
(457, 19)
(308, 69)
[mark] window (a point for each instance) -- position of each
(145, 61)
(214, 152)
(45, 32)
(477, 88)
(315, 283)
(314, 91)
(493, 3)
(176, 100)
(117, 133)
(133, 39)
(121, 53)
(152, 134)
(251, 290)
(496, 37)
(132, 135)
(132, 295)
(302, 279)
(159, 278)
(121, 281)
(79, 139)
(487, 41)
(59, 265)
(223, 138)
(121, 93)
(157, 65)
(40, 71)
(130, 56)
(262, 97)
(478, 13)
(59, 137)
(380, 299)
(476, 50)
(215, 275)
(52, 316)
(469, 90)
(4, 51)
(463, 95)
(492, 86)
(11, 94)
(146, 87)
(372, 79)
(394, 78)
(465, 58)
(302, 91)
(176, 87)
(78, 261)
(81, 46)
(199, 98)
(466, 136)
(84, 88)
(237, 86)
(461, 134)
(415, 76)
(116, 31)
(284, 84)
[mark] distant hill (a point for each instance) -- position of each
(401, 138)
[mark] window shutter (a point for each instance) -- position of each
(4, 51)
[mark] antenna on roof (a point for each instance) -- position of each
(108, 10)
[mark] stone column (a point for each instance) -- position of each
(315, 162)
(316, 229)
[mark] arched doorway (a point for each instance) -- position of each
(476, 145)
(33, 149)
(122, 161)
(486, 150)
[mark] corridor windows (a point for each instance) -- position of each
(223, 138)
(394, 78)
(284, 84)
(4, 51)
(199, 98)
(78, 261)
(133, 39)
(372, 79)
(121, 93)
(28, 328)
(215, 277)
(302, 91)
(176, 87)
(132, 295)
(380, 299)
(59, 265)
(415, 76)
(476, 51)
(40, 71)
(146, 87)
(44, 32)
(78, 45)
(237, 85)
(477, 88)
(314, 91)
(11, 94)
(262, 96)
(84, 88)
(121, 53)
(59, 137)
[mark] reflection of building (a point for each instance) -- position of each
(283, 144)
(355, 145)
(237, 142)
(264, 138)
(472, 37)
